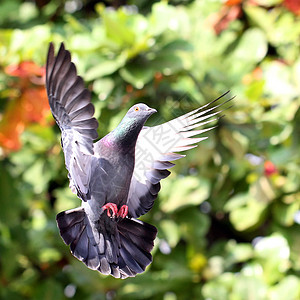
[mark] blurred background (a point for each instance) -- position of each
(228, 216)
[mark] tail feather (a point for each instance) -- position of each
(79, 247)
(121, 249)
(141, 257)
(137, 240)
(76, 231)
(131, 262)
(69, 223)
(140, 233)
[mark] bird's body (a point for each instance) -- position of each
(118, 177)
(113, 166)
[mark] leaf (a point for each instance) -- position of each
(278, 79)
(284, 214)
(273, 253)
(236, 202)
(288, 288)
(250, 50)
(28, 11)
(195, 235)
(161, 17)
(103, 87)
(49, 289)
(215, 267)
(293, 6)
(171, 232)
(10, 202)
(219, 288)
(236, 142)
(280, 28)
(262, 190)
(48, 255)
(249, 287)
(255, 90)
(65, 199)
(37, 175)
(221, 20)
(238, 252)
(136, 75)
(177, 45)
(106, 67)
(247, 213)
(252, 47)
(268, 3)
(117, 26)
(25, 109)
(9, 11)
(86, 42)
(24, 70)
(261, 17)
(167, 63)
(183, 192)
(296, 73)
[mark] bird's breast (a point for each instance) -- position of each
(112, 176)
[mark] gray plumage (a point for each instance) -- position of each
(118, 177)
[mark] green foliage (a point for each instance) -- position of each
(228, 216)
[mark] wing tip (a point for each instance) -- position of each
(50, 60)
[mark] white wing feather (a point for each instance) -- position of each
(159, 145)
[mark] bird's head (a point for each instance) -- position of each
(140, 112)
(132, 123)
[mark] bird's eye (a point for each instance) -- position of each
(136, 108)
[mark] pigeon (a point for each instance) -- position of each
(117, 177)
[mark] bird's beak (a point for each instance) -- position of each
(151, 111)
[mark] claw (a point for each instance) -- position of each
(112, 209)
(123, 211)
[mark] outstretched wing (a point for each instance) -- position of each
(71, 106)
(155, 149)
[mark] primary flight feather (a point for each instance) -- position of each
(118, 177)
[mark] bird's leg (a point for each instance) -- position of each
(112, 209)
(123, 211)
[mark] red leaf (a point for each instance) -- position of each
(221, 20)
(25, 69)
(36, 106)
(293, 6)
(232, 2)
(31, 106)
(11, 126)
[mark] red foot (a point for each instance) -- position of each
(112, 209)
(123, 211)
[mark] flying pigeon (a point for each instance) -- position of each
(118, 177)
